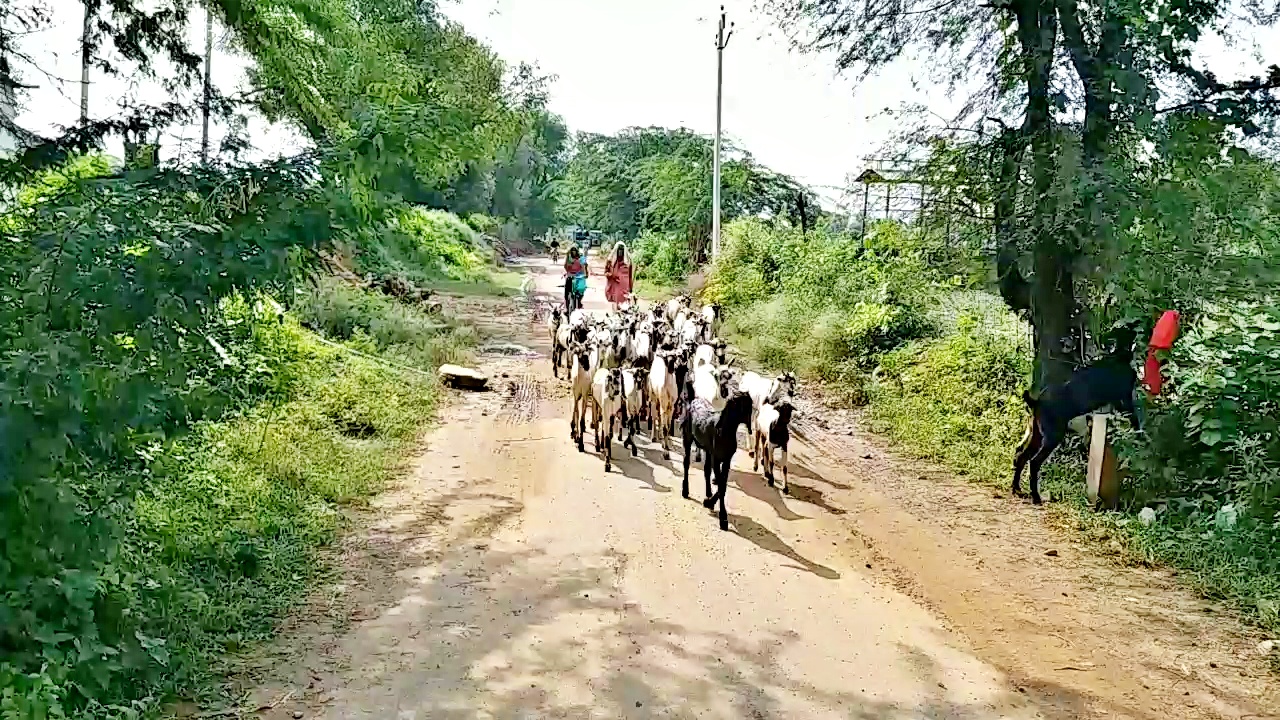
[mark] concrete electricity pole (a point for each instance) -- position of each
(208, 84)
(722, 41)
(86, 56)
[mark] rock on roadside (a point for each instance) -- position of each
(463, 378)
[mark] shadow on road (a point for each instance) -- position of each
(640, 468)
(756, 486)
(764, 538)
(506, 633)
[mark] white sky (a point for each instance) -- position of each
(624, 63)
(618, 63)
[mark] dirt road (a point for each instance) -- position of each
(508, 576)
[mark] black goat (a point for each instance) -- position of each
(1109, 382)
(717, 434)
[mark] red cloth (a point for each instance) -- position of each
(1162, 338)
(1151, 374)
(617, 282)
(1166, 331)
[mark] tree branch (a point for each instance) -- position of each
(1073, 38)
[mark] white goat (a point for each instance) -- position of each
(766, 390)
(711, 353)
(675, 304)
(772, 429)
(632, 402)
(693, 329)
(678, 320)
(711, 318)
(642, 345)
(663, 393)
(581, 373)
(704, 355)
(711, 384)
(606, 405)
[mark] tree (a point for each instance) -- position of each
(659, 180)
(1060, 205)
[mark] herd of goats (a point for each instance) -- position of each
(666, 365)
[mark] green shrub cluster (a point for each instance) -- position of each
(375, 323)
(942, 368)
(174, 446)
(825, 305)
(662, 259)
(1209, 464)
(422, 246)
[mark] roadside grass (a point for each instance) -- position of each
(236, 516)
(955, 401)
(491, 283)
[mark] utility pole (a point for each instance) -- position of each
(722, 41)
(86, 55)
(208, 83)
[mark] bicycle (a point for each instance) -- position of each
(577, 289)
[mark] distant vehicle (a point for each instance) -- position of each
(588, 238)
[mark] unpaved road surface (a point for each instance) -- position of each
(508, 576)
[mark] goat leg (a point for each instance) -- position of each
(786, 482)
(608, 446)
(707, 467)
(722, 489)
(1046, 449)
(1028, 447)
(688, 440)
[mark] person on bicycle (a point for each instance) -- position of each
(555, 249)
(573, 265)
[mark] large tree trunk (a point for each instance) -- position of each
(1096, 66)
(1014, 288)
(1051, 288)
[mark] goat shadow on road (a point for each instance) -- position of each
(754, 485)
(640, 467)
(765, 539)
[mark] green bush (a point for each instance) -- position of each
(956, 400)
(123, 322)
(375, 323)
(224, 535)
(1209, 463)
(422, 246)
(820, 304)
(173, 446)
(482, 223)
(661, 259)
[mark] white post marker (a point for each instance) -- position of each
(1102, 482)
(722, 41)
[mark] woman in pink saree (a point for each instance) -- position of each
(618, 271)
